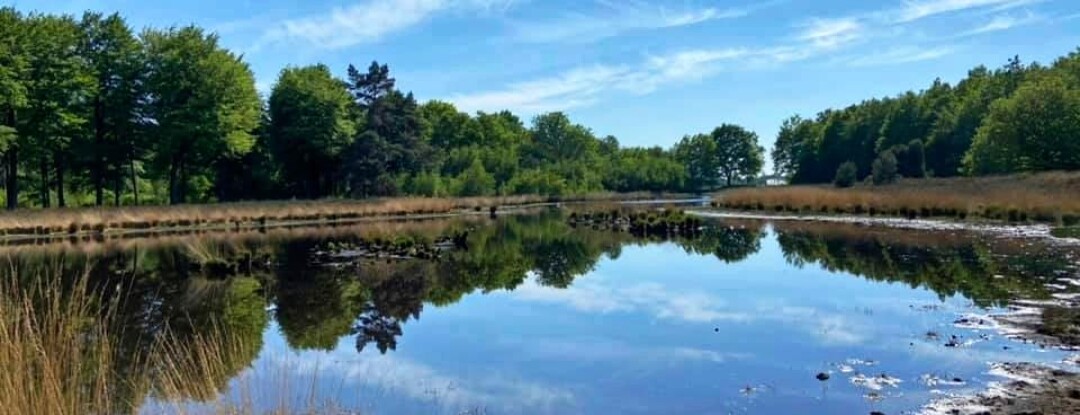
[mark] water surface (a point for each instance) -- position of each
(525, 314)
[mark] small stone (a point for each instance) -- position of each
(822, 376)
(1074, 394)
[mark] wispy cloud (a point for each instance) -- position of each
(1004, 22)
(617, 18)
(832, 33)
(898, 55)
(587, 85)
(919, 9)
(369, 21)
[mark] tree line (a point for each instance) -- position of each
(1015, 119)
(93, 113)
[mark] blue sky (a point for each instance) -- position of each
(646, 71)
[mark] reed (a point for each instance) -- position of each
(88, 221)
(1047, 197)
(60, 354)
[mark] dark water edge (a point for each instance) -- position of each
(528, 314)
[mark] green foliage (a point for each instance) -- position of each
(729, 154)
(1036, 129)
(884, 170)
(846, 175)
(311, 125)
(1010, 120)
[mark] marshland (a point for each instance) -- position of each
(235, 216)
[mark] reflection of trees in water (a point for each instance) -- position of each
(146, 295)
(987, 272)
(199, 285)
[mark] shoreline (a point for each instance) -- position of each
(1025, 388)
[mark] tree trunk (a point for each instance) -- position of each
(12, 168)
(58, 158)
(98, 169)
(174, 190)
(118, 186)
(44, 182)
(134, 178)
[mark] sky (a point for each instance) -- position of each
(645, 71)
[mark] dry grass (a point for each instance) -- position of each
(84, 221)
(60, 354)
(1047, 197)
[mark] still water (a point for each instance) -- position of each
(528, 315)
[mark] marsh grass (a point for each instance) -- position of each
(1047, 197)
(60, 354)
(97, 221)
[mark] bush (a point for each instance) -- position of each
(884, 168)
(845, 175)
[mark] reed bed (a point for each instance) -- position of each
(60, 354)
(96, 221)
(1047, 197)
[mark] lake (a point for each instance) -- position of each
(526, 314)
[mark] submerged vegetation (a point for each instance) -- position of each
(1045, 197)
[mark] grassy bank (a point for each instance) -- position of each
(1047, 197)
(96, 221)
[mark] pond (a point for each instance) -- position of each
(526, 314)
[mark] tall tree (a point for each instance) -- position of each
(203, 105)
(738, 155)
(115, 59)
(14, 65)
(698, 154)
(311, 125)
(59, 83)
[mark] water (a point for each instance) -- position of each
(528, 315)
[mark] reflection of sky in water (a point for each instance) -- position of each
(654, 331)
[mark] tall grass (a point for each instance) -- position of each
(82, 221)
(61, 353)
(1047, 197)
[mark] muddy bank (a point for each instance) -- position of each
(1031, 230)
(1026, 389)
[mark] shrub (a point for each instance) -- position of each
(845, 175)
(884, 168)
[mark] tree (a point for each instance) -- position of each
(392, 140)
(793, 139)
(114, 57)
(58, 82)
(14, 65)
(846, 175)
(311, 125)
(738, 155)
(698, 154)
(1037, 129)
(203, 105)
(475, 181)
(885, 168)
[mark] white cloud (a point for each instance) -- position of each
(1004, 22)
(618, 18)
(832, 33)
(587, 85)
(369, 21)
(898, 55)
(918, 9)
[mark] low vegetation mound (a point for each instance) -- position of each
(1046, 197)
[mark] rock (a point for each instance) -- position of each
(822, 376)
(877, 413)
(1074, 394)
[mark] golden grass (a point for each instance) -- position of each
(1046, 197)
(84, 221)
(60, 355)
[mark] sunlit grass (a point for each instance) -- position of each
(60, 354)
(81, 221)
(1047, 197)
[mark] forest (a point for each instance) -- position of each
(1015, 119)
(92, 113)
